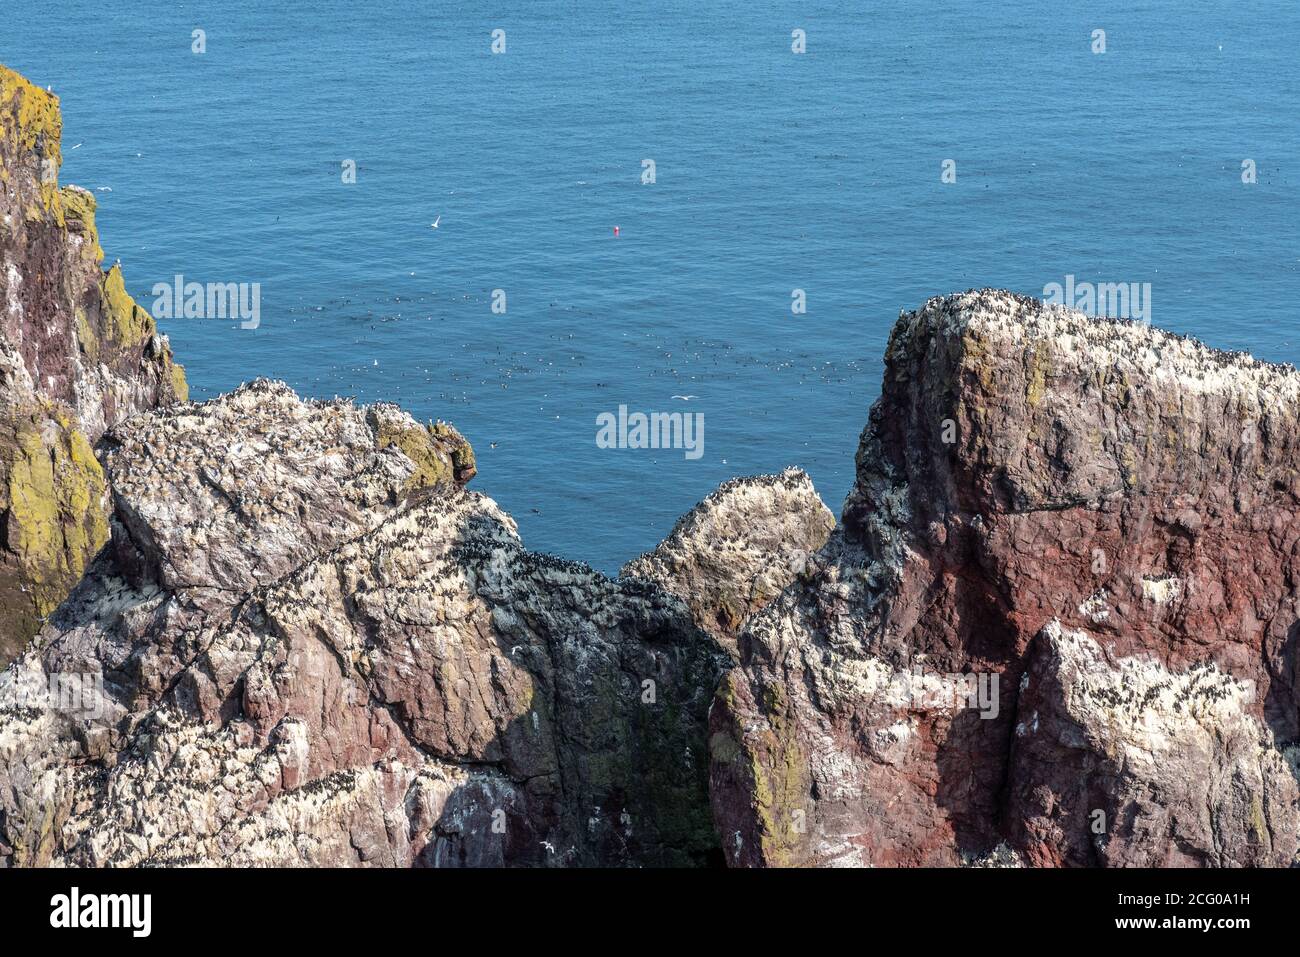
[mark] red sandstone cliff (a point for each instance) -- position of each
(1099, 516)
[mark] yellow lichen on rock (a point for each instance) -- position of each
(179, 385)
(432, 466)
(126, 323)
(86, 338)
(129, 325)
(99, 360)
(57, 515)
(440, 454)
(39, 129)
(79, 207)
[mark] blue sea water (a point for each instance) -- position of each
(775, 171)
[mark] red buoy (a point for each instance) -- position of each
(616, 232)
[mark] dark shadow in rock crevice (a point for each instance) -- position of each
(628, 784)
(1282, 701)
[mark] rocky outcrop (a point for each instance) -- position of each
(1058, 623)
(309, 644)
(1178, 760)
(77, 356)
(1056, 626)
(734, 552)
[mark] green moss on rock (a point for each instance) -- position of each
(440, 454)
(462, 453)
(432, 467)
(768, 764)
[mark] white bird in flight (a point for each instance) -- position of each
(434, 224)
(686, 398)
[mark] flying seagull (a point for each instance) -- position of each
(434, 224)
(686, 398)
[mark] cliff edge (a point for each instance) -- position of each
(1058, 623)
(308, 644)
(77, 356)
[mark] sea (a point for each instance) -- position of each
(697, 207)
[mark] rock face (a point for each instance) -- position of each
(77, 356)
(1057, 624)
(308, 644)
(1179, 759)
(734, 552)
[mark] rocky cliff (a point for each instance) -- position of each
(310, 644)
(1056, 625)
(77, 356)
(1058, 622)
(734, 552)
